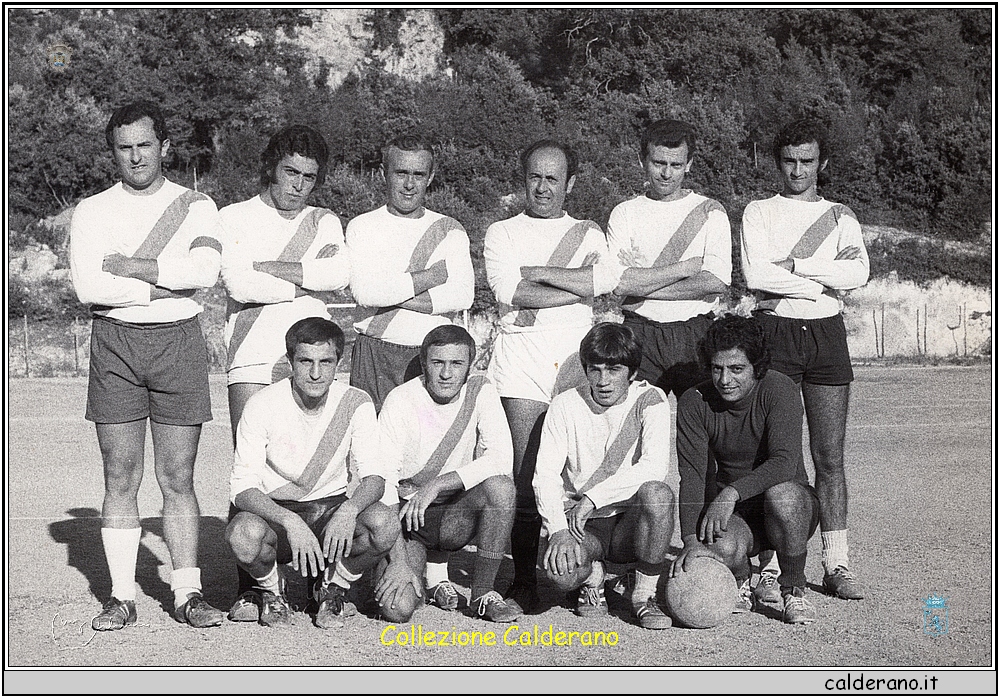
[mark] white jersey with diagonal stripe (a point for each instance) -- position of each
(276, 440)
(771, 229)
(526, 241)
(412, 425)
(256, 232)
(116, 221)
(645, 226)
(382, 246)
(576, 436)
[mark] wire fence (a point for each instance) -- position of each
(48, 349)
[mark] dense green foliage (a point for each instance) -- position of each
(906, 93)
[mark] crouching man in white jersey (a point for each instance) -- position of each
(290, 481)
(445, 439)
(599, 478)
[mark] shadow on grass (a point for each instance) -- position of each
(81, 534)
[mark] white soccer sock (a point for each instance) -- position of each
(645, 587)
(772, 565)
(271, 581)
(596, 577)
(437, 572)
(341, 576)
(121, 548)
(184, 581)
(834, 549)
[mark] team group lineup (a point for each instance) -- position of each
(559, 453)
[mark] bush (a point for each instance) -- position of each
(922, 261)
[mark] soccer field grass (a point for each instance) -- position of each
(919, 473)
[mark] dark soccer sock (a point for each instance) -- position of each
(485, 573)
(244, 581)
(793, 571)
(524, 547)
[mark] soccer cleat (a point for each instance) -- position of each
(651, 616)
(524, 596)
(767, 589)
(198, 613)
(246, 608)
(744, 598)
(491, 606)
(115, 615)
(798, 610)
(843, 584)
(274, 610)
(445, 596)
(590, 602)
(333, 606)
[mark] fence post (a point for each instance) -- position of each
(76, 346)
(27, 366)
(918, 330)
(926, 318)
(883, 330)
(965, 330)
(875, 324)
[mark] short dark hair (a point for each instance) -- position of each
(611, 344)
(444, 335)
(294, 140)
(571, 161)
(129, 114)
(313, 330)
(670, 133)
(409, 142)
(737, 332)
(801, 132)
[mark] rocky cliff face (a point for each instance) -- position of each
(343, 41)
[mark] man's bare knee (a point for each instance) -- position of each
(499, 491)
(656, 498)
(381, 527)
(730, 549)
(246, 534)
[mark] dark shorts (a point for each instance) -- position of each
(752, 512)
(316, 513)
(157, 370)
(378, 366)
(604, 529)
(814, 351)
(670, 359)
(429, 535)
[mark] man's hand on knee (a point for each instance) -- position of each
(716, 518)
(338, 534)
(399, 585)
(564, 554)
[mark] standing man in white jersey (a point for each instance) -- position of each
(278, 253)
(676, 249)
(138, 252)
(409, 263)
(542, 265)
(802, 251)
(290, 479)
(447, 452)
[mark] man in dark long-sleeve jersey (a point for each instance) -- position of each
(748, 420)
